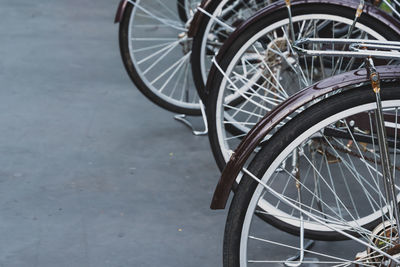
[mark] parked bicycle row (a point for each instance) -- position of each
(300, 100)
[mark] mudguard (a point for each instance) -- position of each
(369, 10)
(120, 11)
(273, 118)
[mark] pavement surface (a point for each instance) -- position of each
(92, 173)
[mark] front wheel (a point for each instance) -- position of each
(321, 170)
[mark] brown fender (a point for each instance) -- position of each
(369, 10)
(267, 124)
(120, 11)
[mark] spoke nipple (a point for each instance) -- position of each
(181, 35)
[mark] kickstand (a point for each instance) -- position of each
(299, 255)
(297, 260)
(182, 118)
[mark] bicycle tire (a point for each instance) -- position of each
(266, 160)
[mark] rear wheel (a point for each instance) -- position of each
(156, 53)
(322, 170)
(258, 70)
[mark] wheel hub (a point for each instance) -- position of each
(278, 45)
(385, 238)
(185, 42)
(277, 60)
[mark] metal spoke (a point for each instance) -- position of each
(156, 17)
(320, 221)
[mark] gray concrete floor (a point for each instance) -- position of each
(91, 172)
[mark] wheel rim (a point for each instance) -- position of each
(260, 105)
(336, 221)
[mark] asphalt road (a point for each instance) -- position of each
(91, 172)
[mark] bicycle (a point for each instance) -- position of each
(172, 88)
(242, 87)
(343, 128)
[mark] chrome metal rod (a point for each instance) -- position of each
(296, 173)
(182, 118)
(307, 246)
(387, 174)
(204, 117)
(357, 54)
(343, 41)
(359, 11)
(356, 48)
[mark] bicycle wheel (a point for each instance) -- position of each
(321, 170)
(156, 52)
(259, 69)
(212, 33)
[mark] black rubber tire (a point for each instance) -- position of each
(273, 148)
(180, 4)
(133, 74)
(196, 51)
(278, 15)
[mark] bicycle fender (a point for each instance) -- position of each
(120, 11)
(278, 114)
(369, 10)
